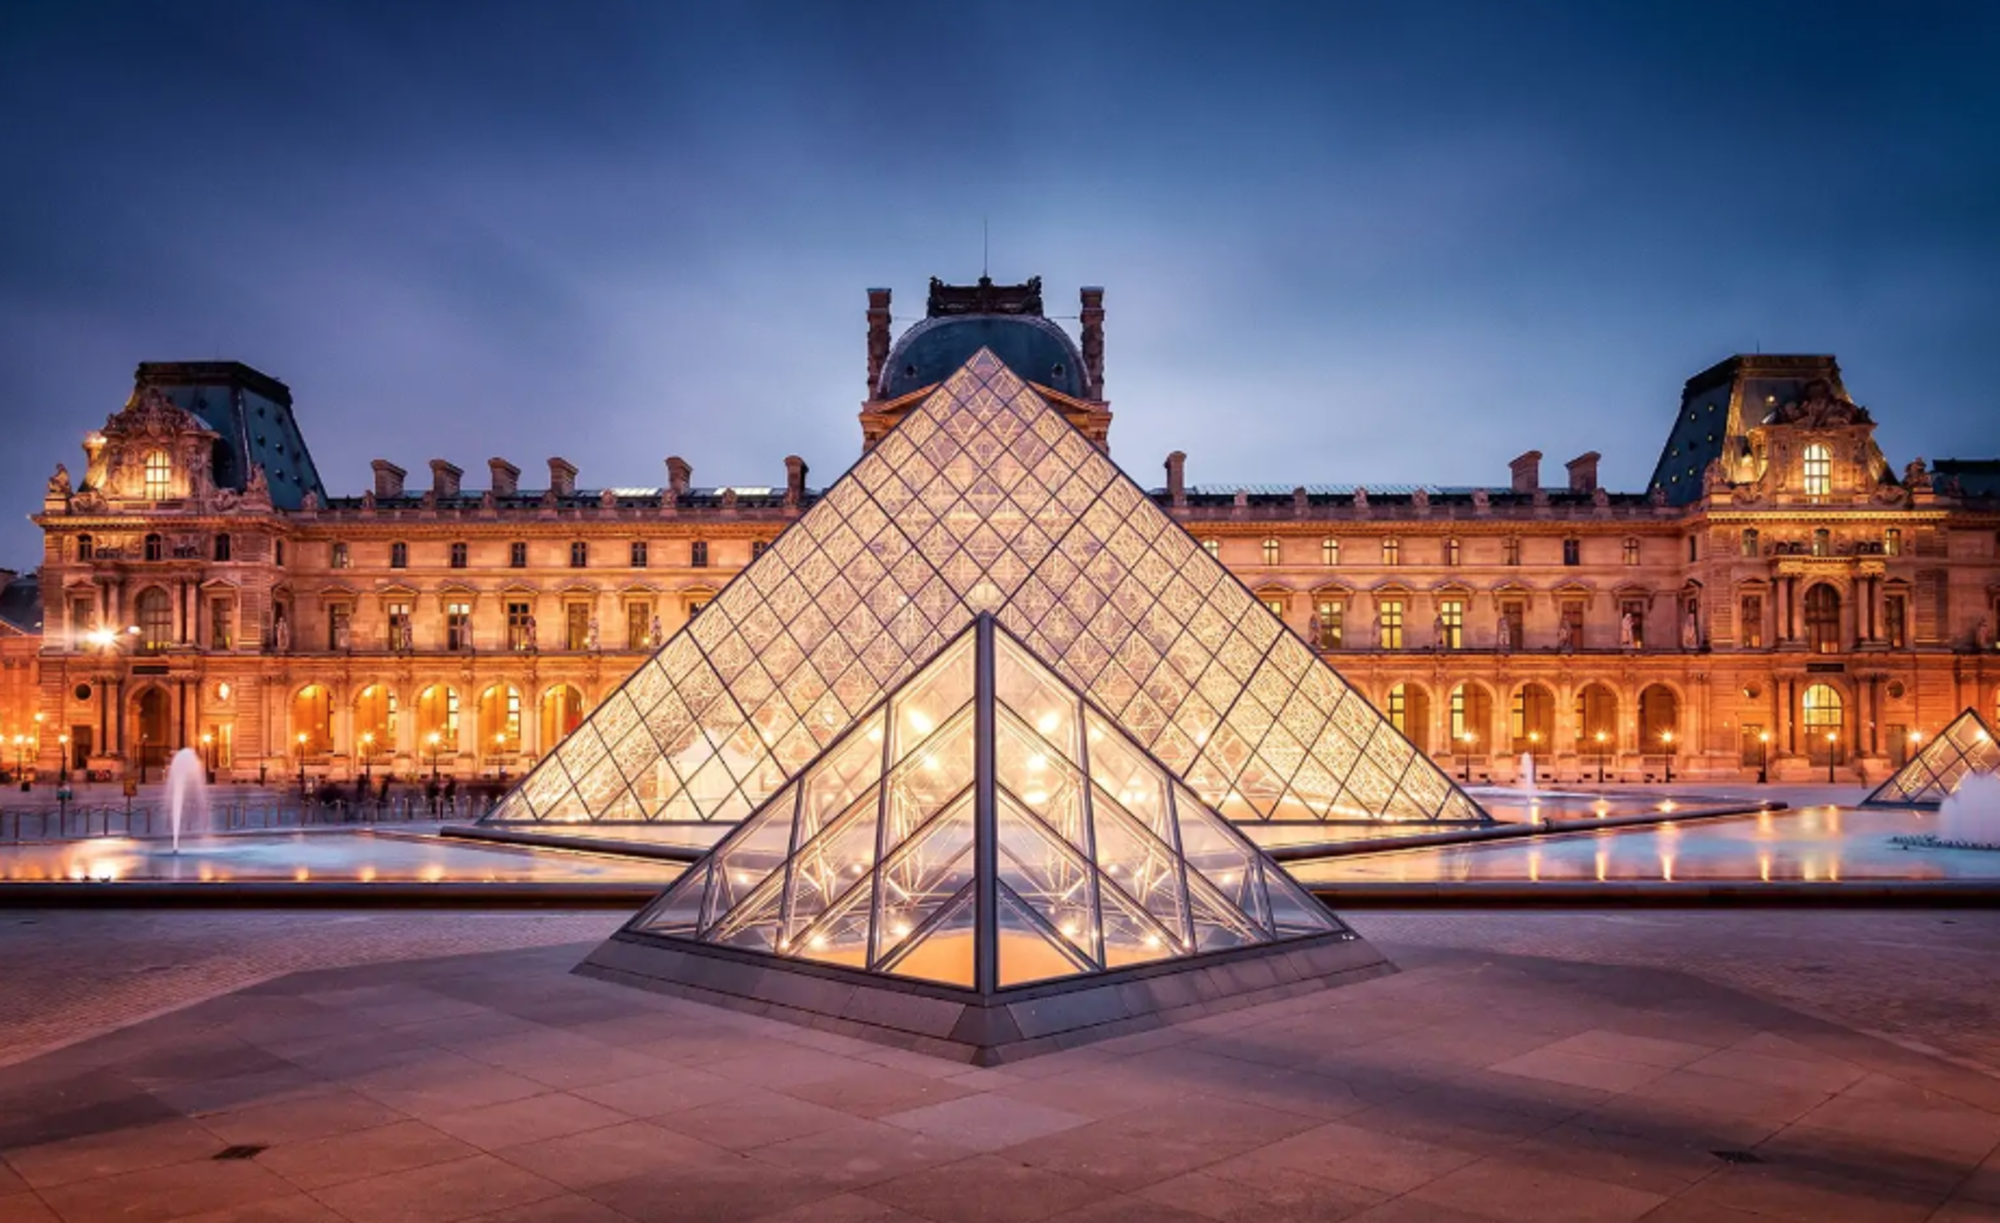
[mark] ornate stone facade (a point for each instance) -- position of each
(1780, 581)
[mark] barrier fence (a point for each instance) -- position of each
(134, 818)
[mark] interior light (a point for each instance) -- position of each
(1048, 723)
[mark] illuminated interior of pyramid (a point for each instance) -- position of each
(984, 499)
(1966, 748)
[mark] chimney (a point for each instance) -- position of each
(679, 474)
(1583, 472)
(1177, 478)
(1527, 472)
(388, 478)
(506, 477)
(562, 477)
(878, 336)
(795, 480)
(445, 477)
(1092, 317)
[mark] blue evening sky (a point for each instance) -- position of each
(1369, 242)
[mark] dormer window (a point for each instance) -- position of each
(159, 475)
(86, 548)
(222, 548)
(155, 548)
(1818, 470)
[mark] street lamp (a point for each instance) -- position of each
(208, 754)
(1667, 738)
(499, 748)
(367, 755)
(436, 742)
(1916, 745)
(1534, 745)
(1600, 757)
(62, 741)
(35, 744)
(301, 738)
(1763, 757)
(1832, 739)
(1465, 752)
(21, 760)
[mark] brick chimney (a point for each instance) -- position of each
(506, 477)
(1092, 317)
(1177, 478)
(1583, 472)
(878, 336)
(445, 477)
(562, 477)
(679, 475)
(1527, 472)
(795, 480)
(388, 478)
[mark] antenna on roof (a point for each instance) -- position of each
(985, 244)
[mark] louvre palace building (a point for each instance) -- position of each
(1782, 599)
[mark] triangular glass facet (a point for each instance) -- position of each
(1965, 748)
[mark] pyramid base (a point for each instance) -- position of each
(984, 1029)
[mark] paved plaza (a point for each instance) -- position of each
(445, 1066)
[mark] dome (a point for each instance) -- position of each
(1033, 347)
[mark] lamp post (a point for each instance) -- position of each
(1534, 745)
(1465, 757)
(208, 754)
(35, 744)
(436, 742)
(1763, 757)
(1916, 745)
(62, 741)
(1832, 740)
(499, 747)
(1600, 757)
(21, 760)
(301, 739)
(1667, 739)
(367, 756)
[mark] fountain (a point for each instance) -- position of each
(187, 795)
(1969, 818)
(1528, 772)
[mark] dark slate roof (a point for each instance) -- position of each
(253, 413)
(1703, 426)
(748, 497)
(21, 602)
(1034, 348)
(1974, 477)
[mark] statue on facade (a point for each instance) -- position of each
(528, 633)
(1659, 494)
(1482, 501)
(309, 503)
(1917, 477)
(607, 500)
(1627, 634)
(1360, 497)
(59, 482)
(1982, 634)
(282, 633)
(590, 636)
(1565, 635)
(257, 489)
(340, 634)
(656, 638)
(1691, 631)
(1421, 498)
(1381, 633)
(1820, 406)
(1712, 479)
(1503, 634)
(1438, 632)
(1600, 498)
(1313, 630)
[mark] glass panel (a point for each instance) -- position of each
(679, 910)
(756, 923)
(1047, 875)
(1128, 776)
(1024, 686)
(847, 769)
(1041, 780)
(1217, 926)
(1026, 951)
(1131, 936)
(1220, 855)
(841, 936)
(922, 874)
(937, 772)
(824, 869)
(1139, 865)
(1293, 910)
(943, 953)
(750, 855)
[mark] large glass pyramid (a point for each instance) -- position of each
(1964, 748)
(985, 834)
(984, 499)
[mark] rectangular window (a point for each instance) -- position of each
(639, 626)
(1399, 709)
(576, 627)
(1451, 624)
(1392, 551)
(278, 549)
(159, 475)
(1892, 542)
(1818, 470)
(1569, 629)
(1332, 623)
(222, 624)
(638, 554)
(698, 554)
(1752, 547)
(399, 556)
(1513, 618)
(517, 555)
(757, 547)
(1510, 551)
(1895, 621)
(399, 627)
(222, 548)
(82, 619)
(1694, 548)
(579, 555)
(458, 554)
(1452, 552)
(1631, 552)
(337, 556)
(1751, 631)
(694, 608)
(1572, 552)
(518, 619)
(458, 626)
(1329, 552)
(1822, 542)
(1276, 607)
(1212, 546)
(338, 617)
(1270, 551)
(1389, 614)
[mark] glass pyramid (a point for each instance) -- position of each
(984, 499)
(1962, 749)
(986, 828)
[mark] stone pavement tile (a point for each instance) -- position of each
(533, 1119)
(298, 1118)
(166, 1193)
(1882, 1155)
(349, 1055)
(239, 1091)
(298, 1208)
(1353, 1154)
(444, 1083)
(1917, 1119)
(843, 1208)
(985, 1122)
(1984, 1183)
(725, 1189)
(563, 1060)
(1738, 1063)
(566, 1208)
(337, 1158)
(1112, 1158)
(872, 1091)
(1504, 1190)
(984, 1189)
(1810, 1197)
(1680, 1210)
(1772, 1044)
(666, 1091)
(10, 1181)
(1616, 1159)
(613, 1153)
(1626, 1047)
(1126, 1208)
(752, 1117)
(1515, 1093)
(417, 1010)
(1287, 1089)
(1559, 1065)
(110, 1152)
(1965, 1210)
(859, 1153)
(1103, 1092)
(1223, 1127)
(1743, 1097)
(25, 1208)
(476, 1029)
(1446, 1118)
(439, 1193)
(1278, 1195)
(783, 1067)
(1414, 1210)
(1682, 1027)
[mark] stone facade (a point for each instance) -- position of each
(1797, 585)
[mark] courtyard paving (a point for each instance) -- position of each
(1659, 1066)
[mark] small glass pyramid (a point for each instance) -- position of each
(985, 827)
(984, 499)
(1962, 749)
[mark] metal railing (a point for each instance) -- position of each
(77, 821)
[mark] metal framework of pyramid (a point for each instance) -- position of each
(984, 499)
(985, 865)
(1962, 749)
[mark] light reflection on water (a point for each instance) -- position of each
(320, 857)
(1812, 844)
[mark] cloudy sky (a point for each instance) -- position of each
(1340, 241)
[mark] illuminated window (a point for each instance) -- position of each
(337, 556)
(1452, 552)
(1270, 551)
(156, 620)
(1818, 470)
(1510, 551)
(1823, 619)
(1751, 632)
(1329, 552)
(1212, 546)
(1822, 718)
(1572, 552)
(1390, 612)
(1399, 708)
(458, 555)
(1751, 545)
(159, 475)
(1332, 621)
(399, 556)
(400, 637)
(518, 616)
(222, 624)
(517, 555)
(576, 627)
(1631, 551)
(1392, 551)
(1892, 542)
(638, 626)
(638, 554)
(579, 555)
(1451, 623)
(1276, 607)
(698, 554)
(1822, 542)
(458, 626)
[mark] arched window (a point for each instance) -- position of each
(1818, 470)
(1659, 719)
(437, 720)
(1823, 619)
(312, 721)
(1270, 551)
(159, 475)
(1410, 712)
(1822, 722)
(500, 719)
(375, 720)
(1532, 720)
(1329, 552)
(1471, 715)
(155, 548)
(562, 712)
(156, 620)
(222, 547)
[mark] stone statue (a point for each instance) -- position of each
(488, 503)
(1712, 479)
(655, 638)
(309, 504)
(1565, 634)
(728, 500)
(1438, 635)
(1313, 630)
(340, 634)
(1503, 634)
(1626, 635)
(607, 500)
(1822, 407)
(258, 487)
(1916, 477)
(1421, 498)
(59, 482)
(1982, 634)
(1659, 494)
(590, 636)
(1360, 498)
(1482, 500)
(1381, 640)
(1600, 498)
(282, 632)
(1691, 631)
(528, 633)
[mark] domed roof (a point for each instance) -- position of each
(1033, 347)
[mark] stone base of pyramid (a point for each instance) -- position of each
(984, 1029)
